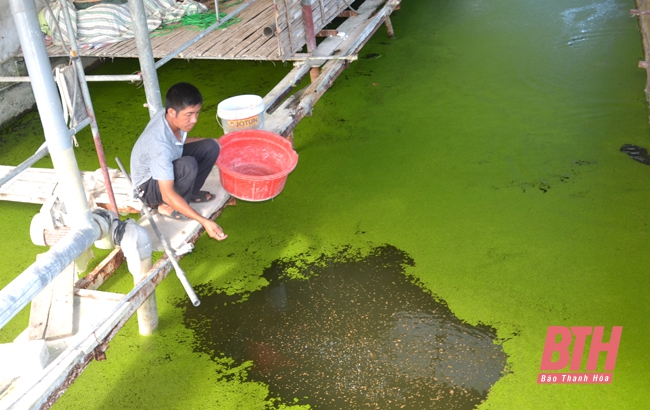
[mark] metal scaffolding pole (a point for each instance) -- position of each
(145, 55)
(81, 80)
(89, 78)
(51, 113)
(40, 153)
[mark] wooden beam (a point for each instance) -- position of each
(103, 271)
(99, 295)
(52, 310)
(285, 118)
(389, 27)
(348, 13)
(327, 33)
(314, 73)
(284, 87)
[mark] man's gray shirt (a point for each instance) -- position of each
(154, 152)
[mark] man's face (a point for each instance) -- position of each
(185, 118)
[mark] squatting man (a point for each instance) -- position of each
(168, 168)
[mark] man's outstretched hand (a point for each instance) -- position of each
(213, 229)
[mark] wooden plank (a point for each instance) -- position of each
(123, 47)
(288, 51)
(27, 187)
(321, 8)
(262, 17)
(327, 33)
(285, 86)
(161, 46)
(264, 48)
(51, 316)
(224, 38)
(246, 43)
(215, 41)
(256, 48)
(39, 313)
(284, 119)
(61, 319)
(36, 185)
(99, 295)
(350, 27)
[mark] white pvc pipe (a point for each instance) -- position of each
(19, 292)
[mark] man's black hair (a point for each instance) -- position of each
(182, 95)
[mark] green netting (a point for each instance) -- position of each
(196, 22)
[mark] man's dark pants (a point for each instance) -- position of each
(190, 172)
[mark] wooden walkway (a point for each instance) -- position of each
(36, 185)
(241, 41)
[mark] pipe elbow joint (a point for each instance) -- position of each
(104, 220)
(135, 243)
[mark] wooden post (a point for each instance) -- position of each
(308, 18)
(148, 311)
(389, 27)
(314, 72)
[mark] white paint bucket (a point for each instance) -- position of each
(242, 112)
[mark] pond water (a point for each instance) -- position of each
(351, 332)
(483, 144)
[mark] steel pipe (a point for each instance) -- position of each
(50, 111)
(40, 153)
(17, 79)
(180, 273)
(78, 127)
(80, 81)
(96, 78)
(145, 56)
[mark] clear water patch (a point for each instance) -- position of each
(349, 330)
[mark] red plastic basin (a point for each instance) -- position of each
(254, 164)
